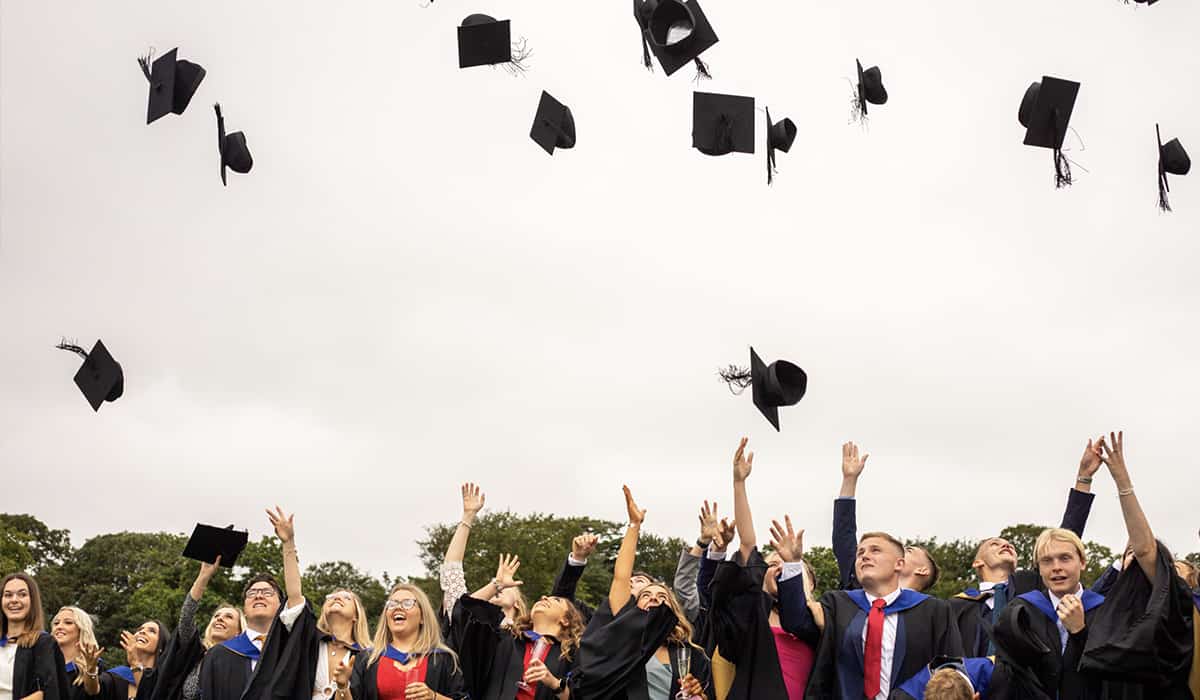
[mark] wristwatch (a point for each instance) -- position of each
(562, 685)
(702, 544)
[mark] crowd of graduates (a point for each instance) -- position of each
(736, 622)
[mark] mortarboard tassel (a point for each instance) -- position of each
(701, 70)
(646, 53)
(145, 61)
(1062, 170)
(69, 347)
(737, 378)
(770, 152)
(1163, 189)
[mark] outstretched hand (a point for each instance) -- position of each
(89, 657)
(725, 534)
(743, 462)
(709, 527)
(472, 499)
(1113, 454)
(506, 570)
(207, 571)
(284, 524)
(852, 465)
(1092, 457)
(788, 542)
(636, 515)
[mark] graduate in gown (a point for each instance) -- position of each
(144, 648)
(34, 662)
(755, 623)
(634, 647)
(75, 634)
(875, 638)
(977, 609)
(408, 659)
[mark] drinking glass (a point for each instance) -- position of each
(540, 647)
(683, 664)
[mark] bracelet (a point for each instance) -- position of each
(702, 544)
(1126, 492)
(1083, 479)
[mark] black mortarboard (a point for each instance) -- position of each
(172, 84)
(870, 87)
(553, 125)
(780, 383)
(780, 135)
(1172, 160)
(235, 155)
(208, 542)
(482, 41)
(1045, 112)
(722, 123)
(100, 377)
(676, 31)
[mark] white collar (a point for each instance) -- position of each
(887, 599)
(1055, 600)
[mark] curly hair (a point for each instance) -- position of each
(571, 626)
(948, 684)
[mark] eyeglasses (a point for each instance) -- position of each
(266, 593)
(406, 604)
(340, 595)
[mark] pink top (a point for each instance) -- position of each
(795, 661)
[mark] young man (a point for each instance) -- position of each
(878, 636)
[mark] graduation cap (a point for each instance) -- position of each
(553, 125)
(483, 41)
(172, 83)
(1045, 112)
(780, 135)
(208, 542)
(100, 378)
(780, 383)
(1173, 160)
(870, 88)
(1016, 640)
(677, 31)
(722, 123)
(232, 147)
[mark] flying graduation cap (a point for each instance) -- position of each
(780, 383)
(100, 377)
(208, 542)
(780, 135)
(172, 83)
(869, 89)
(485, 41)
(235, 155)
(1045, 112)
(676, 31)
(722, 123)
(553, 125)
(1172, 160)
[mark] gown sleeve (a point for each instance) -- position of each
(614, 647)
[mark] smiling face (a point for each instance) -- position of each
(637, 583)
(1060, 566)
(262, 602)
(550, 610)
(402, 614)
(16, 601)
(340, 603)
(774, 568)
(652, 596)
(145, 638)
(65, 629)
(996, 553)
(878, 561)
(225, 624)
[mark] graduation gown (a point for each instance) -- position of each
(295, 668)
(115, 682)
(225, 673)
(1034, 659)
(925, 629)
(442, 675)
(740, 628)
(615, 648)
(1140, 641)
(979, 670)
(493, 658)
(40, 667)
(76, 692)
(182, 655)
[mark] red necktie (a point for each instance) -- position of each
(873, 653)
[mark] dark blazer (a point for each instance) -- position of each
(40, 667)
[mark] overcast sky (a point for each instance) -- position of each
(406, 292)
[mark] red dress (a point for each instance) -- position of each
(531, 692)
(392, 681)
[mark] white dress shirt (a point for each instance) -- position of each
(8, 657)
(1062, 629)
(890, 623)
(288, 617)
(984, 587)
(322, 683)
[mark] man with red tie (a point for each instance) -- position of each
(878, 636)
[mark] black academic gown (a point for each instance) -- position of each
(295, 667)
(442, 674)
(493, 659)
(565, 585)
(1140, 642)
(225, 673)
(1031, 659)
(925, 629)
(76, 691)
(40, 667)
(182, 655)
(739, 625)
(615, 648)
(114, 684)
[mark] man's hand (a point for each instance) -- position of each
(786, 541)
(1070, 611)
(743, 462)
(709, 527)
(852, 465)
(284, 524)
(583, 546)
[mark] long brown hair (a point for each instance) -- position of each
(571, 625)
(35, 620)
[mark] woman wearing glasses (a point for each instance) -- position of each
(179, 674)
(31, 665)
(408, 661)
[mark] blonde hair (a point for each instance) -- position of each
(1058, 534)
(884, 536)
(948, 684)
(87, 631)
(682, 632)
(429, 636)
(1193, 573)
(571, 625)
(206, 639)
(361, 631)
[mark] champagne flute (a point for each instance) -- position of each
(540, 648)
(683, 665)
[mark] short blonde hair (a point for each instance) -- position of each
(1059, 534)
(948, 684)
(884, 536)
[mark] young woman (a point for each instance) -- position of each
(495, 658)
(638, 651)
(31, 664)
(75, 634)
(408, 660)
(506, 596)
(179, 673)
(143, 648)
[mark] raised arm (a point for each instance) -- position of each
(472, 502)
(1080, 497)
(1141, 537)
(795, 615)
(618, 593)
(567, 581)
(845, 516)
(688, 570)
(743, 464)
(285, 530)
(506, 573)
(187, 616)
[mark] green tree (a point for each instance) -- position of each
(326, 577)
(45, 545)
(825, 568)
(954, 559)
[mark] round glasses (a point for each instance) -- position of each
(405, 604)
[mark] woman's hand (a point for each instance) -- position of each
(207, 571)
(506, 570)
(538, 673)
(788, 542)
(284, 524)
(743, 462)
(636, 515)
(418, 691)
(129, 644)
(709, 526)
(725, 534)
(691, 686)
(472, 500)
(89, 658)
(341, 674)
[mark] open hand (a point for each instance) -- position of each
(89, 657)
(1113, 454)
(472, 499)
(1092, 457)
(709, 527)
(284, 524)
(506, 570)
(852, 465)
(786, 541)
(636, 515)
(129, 644)
(743, 462)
